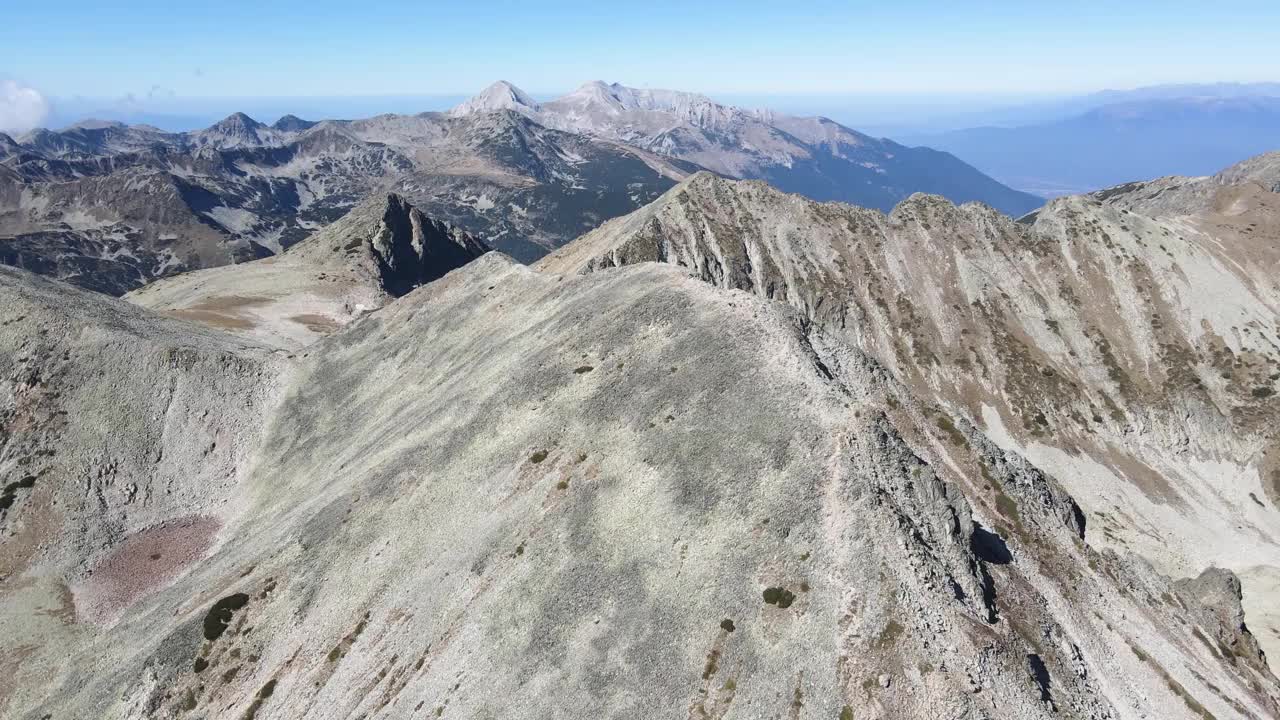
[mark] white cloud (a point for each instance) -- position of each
(21, 107)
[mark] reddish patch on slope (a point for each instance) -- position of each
(145, 562)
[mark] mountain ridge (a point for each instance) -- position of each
(847, 553)
(1146, 401)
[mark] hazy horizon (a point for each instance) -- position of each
(888, 112)
(156, 58)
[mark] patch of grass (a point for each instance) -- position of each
(890, 634)
(538, 457)
(1006, 506)
(219, 616)
(341, 648)
(781, 597)
(945, 425)
(582, 369)
(263, 694)
(713, 664)
(562, 485)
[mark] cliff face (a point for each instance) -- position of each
(411, 249)
(1133, 357)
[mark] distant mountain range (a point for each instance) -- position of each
(1138, 135)
(112, 206)
(814, 156)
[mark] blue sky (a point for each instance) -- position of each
(320, 48)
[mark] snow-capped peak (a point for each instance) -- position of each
(501, 95)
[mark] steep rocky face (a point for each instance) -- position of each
(380, 250)
(412, 249)
(1134, 358)
(677, 500)
(814, 156)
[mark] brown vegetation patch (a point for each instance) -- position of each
(321, 324)
(10, 663)
(145, 562)
(222, 312)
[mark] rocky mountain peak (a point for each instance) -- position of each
(638, 98)
(402, 247)
(235, 129)
(95, 124)
(237, 121)
(501, 95)
(617, 98)
(293, 123)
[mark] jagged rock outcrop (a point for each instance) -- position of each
(676, 501)
(380, 250)
(1214, 599)
(392, 241)
(1132, 357)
